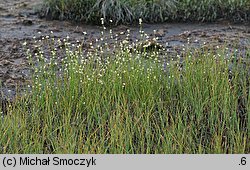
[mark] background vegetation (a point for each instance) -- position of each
(128, 11)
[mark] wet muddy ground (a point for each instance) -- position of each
(19, 22)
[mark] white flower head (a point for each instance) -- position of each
(102, 21)
(140, 21)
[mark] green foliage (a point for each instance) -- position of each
(210, 10)
(120, 11)
(129, 11)
(130, 102)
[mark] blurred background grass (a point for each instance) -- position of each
(129, 11)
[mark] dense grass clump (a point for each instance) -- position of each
(120, 11)
(107, 100)
(128, 11)
(211, 10)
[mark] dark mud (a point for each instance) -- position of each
(19, 22)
